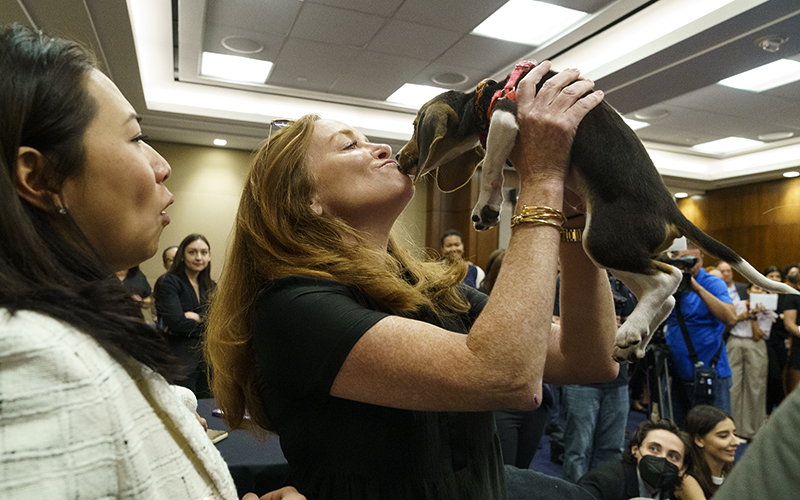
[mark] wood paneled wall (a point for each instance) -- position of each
(453, 211)
(760, 222)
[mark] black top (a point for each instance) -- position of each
(303, 329)
(786, 302)
(612, 481)
(175, 296)
(137, 283)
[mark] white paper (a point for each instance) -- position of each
(769, 300)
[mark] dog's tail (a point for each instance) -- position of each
(719, 250)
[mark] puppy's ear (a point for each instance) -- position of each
(456, 173)
(430, 133)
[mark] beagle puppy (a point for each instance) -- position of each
(630, 215)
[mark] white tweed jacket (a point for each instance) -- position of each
(76, 424)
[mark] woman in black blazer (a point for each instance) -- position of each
(181, 304)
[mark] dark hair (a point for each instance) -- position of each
(785, 274)
(450, 232)
(46, 263)
(773, 269)
(164, 254)
(492, 269)
(179, 264)
(641, 432)
(700, 421)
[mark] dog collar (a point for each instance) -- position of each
(510, 89)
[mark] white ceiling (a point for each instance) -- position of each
(342, 58)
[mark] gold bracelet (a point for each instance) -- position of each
(540, 215)
(572, 235)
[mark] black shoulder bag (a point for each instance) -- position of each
(704, 376)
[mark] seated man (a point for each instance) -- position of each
(651, 468)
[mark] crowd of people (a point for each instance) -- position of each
(384, 375)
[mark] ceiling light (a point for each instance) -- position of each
(660, 25)
(241, 45)
(512, 22)
(775, 136)
(681, 195)
(450, 78)
(415, 95)
(727, 145)
(235, 68)
(651, 114)
(635, 124)
(765, 77)
(220, 142)
(791, 174)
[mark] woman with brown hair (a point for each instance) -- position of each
(181, 305)
(378, 371)
(714, 443)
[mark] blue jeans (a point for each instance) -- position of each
(595, 427)
(682, 397)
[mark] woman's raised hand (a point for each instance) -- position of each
(548, 121)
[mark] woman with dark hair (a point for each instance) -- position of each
(714, 443)
(452, 243)
(81, 373)
(379, 371)
(86, 410)
(783, 372)
(181, 304)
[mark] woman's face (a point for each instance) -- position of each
(119, 199)
(453, 247)
(774, 276)
(354, 179)
(720, 444)
(197, 256)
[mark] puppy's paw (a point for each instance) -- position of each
(485, 217)
(628, 335)
(629, 354)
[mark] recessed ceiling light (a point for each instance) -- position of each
(651, 114)
(765, 77)
(635, 124)
(450, 78)
(512, 22)
(681, 195)
(220, 142)
(727, 145)
(235, 68)
(791, 174)
(775, 136)
(241, 45)
(414, 95)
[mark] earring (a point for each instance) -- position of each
(62, 209)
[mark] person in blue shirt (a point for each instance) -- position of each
(707, 311)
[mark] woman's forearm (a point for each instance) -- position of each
(584, 348)
(513, 331)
